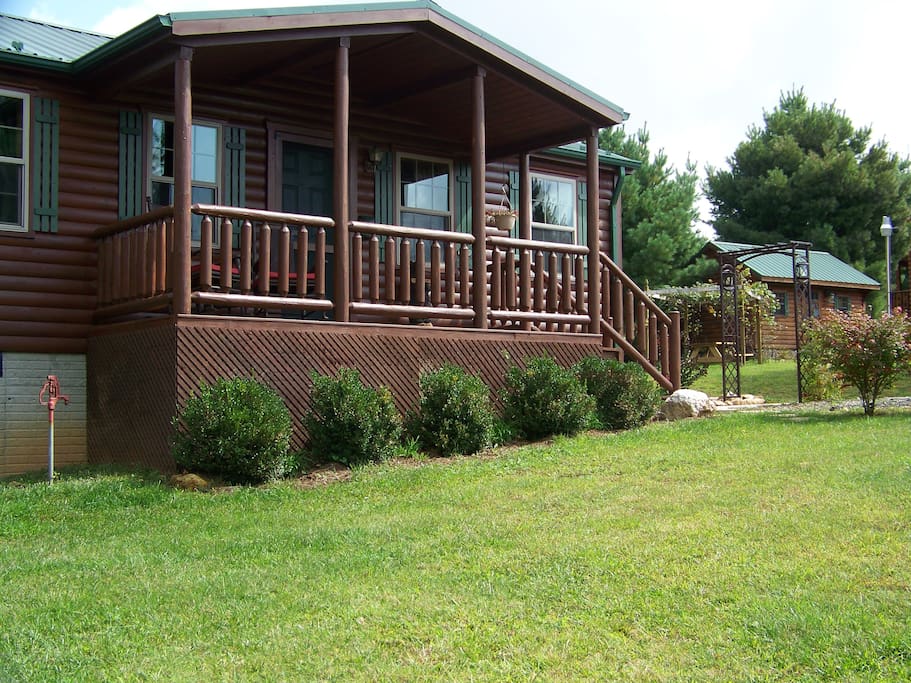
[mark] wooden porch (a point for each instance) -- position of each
(280, 264)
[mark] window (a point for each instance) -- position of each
(553, 209)
(13, 160)
(782, 298)
(425, 193)
(205, 167)
(843, 304)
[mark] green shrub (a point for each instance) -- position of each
(453, 416)
(625, 395)
(543, 399)
(236, 428)
(351, 423)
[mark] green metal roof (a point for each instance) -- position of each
(823, 266)
(35, 40)
(94, 48)
(578, 150)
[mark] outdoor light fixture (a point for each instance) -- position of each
(886, 231)
(374, 159)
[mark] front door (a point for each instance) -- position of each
(306, 188)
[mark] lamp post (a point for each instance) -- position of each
(886, 231)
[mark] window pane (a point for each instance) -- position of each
(162, 194)
(205, 154)
(411, 219)
(552, 235)
(425, 184)
(11, 126)
(553, 201)
(11, 194)
(162, 148)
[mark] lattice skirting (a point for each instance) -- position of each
(140, 372)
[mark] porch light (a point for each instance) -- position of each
(886, 231)
(374, 159)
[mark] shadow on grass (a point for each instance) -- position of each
(85, 472)
(835, 415)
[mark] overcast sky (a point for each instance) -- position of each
(698, 73)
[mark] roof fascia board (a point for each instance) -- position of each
(191, 24)
(227, 39)
(35, 62)
(504, 53)
(605, 157)
(156, 26)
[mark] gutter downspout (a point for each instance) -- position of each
(615, 219)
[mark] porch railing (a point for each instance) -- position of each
(410, 272)
(633, 322)
(257, 260)
(535, 283)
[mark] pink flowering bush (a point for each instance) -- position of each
(863, 352)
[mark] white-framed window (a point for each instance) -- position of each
(205, 168)
(14, 146)
(424, 196)
(553, 209)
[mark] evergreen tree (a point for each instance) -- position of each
(809, 175)
(660, 243)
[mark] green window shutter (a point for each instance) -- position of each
(463, 197)
(384, 192)
(45, 160)
(514, 200)
(129, 197)
(582, 212)
(235, 193)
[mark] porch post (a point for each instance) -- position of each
(478, 200)
(183, 167)
(594, 250)
(524, 197)
(340, 182)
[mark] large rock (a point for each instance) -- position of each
(686, 403)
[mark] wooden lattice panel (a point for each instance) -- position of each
(140, 374)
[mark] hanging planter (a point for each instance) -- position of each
(504, 217)
(505, 221)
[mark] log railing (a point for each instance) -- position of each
(633, 322)
(266, 260)
(279, 261)
(133, 264)
(539, 284)
(410, 272)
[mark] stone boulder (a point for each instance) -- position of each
(686, 403)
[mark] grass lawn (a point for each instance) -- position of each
(741, 547)
(776, 381)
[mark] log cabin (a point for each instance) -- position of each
(834, 285)
(278, 192)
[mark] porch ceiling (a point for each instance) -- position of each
(410, 66)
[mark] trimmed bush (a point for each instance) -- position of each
(237, 428)
(863, 352)
(625, 395)
(543, 399)
(351, 423)
(453, 416)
